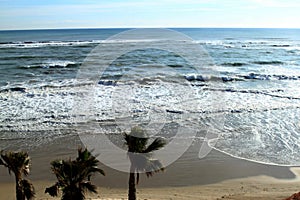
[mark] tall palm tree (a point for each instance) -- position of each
(140, 156)
(19, 164)
(74, 176)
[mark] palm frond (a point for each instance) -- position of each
(57, 169)
(74, 175)
(17, 162)
(153, 166)
(140, 157)
(28, 189)
(100, 171)
(53, 190)
(6, 162)
(138, 161)
(135, 144)
(1, 162)
(83, 155)
(9, 162)
(157, 144)
(88, 186)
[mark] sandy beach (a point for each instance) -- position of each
(217, 176)
(243, 87)
(259, 187)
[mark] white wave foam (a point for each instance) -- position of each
(34, 44)
(58, 63)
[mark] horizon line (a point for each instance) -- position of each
(86, 28)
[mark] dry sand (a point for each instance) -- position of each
(258, 188)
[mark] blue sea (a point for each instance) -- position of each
(246, 89)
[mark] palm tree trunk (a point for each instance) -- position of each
(132, 189)
(19, 191)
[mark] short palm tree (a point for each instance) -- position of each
(74, 176)
(19, 164)
(140, 156)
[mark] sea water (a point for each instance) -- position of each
(253, 90)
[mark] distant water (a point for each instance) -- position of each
(258, 79)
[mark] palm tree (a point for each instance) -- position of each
(74, 176)
(140, 157)
(19, 164)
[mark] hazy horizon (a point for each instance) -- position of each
(91, 28)
(67, 14)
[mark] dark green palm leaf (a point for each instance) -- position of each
(74, 175)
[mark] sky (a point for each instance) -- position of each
(51, 14)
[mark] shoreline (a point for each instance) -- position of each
(254, 161)
(220, 166)
(215, 176)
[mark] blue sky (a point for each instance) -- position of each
(39, 14)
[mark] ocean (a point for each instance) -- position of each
(240, 91)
